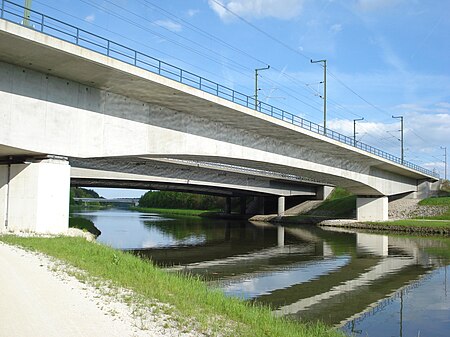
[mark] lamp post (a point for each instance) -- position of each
(445, 161)
(401, 135)
(256, 84)
(324, 93)
(354, 129)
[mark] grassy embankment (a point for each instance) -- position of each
(171, 211)
(340, 204)
(433, 222)
(190, 299)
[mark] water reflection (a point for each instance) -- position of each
(365, 283)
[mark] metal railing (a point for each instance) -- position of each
(56, 28)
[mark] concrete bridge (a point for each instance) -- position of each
(69, 98)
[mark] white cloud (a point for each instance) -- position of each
(336, 28)
(280, 9)
(169, 24)
(192, 12)
(90, 18)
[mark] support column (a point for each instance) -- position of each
(228, 205)
(243, 204)
(281, 208)
(372, 209)
(35, 196)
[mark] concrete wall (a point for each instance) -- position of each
(38, 197)
(3, 195)
(372, 209)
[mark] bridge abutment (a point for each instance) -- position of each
(372, 208)
(34, 196)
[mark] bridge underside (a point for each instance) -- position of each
(203, 177)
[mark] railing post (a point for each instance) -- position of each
(159, 67)
(78, 37)
(217, 89)
(42, 23)
(200, 83)
(107, 48)
(181, 75)
(3, 7)
(135, 58)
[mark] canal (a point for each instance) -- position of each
(366, 284)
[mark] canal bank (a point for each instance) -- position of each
(305, 273)
(186, 303)
(40, 297)
(344, 278)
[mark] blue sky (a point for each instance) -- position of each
(385, 57)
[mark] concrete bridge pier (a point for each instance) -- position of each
(372, 208)
(34, 196)
(281, 206)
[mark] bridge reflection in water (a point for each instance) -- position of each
(306, 273)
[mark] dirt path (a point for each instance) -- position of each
(36, 301)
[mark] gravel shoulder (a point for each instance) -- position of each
(38, 299)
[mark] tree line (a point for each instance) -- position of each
(168, 199)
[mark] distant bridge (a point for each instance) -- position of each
(131, 201)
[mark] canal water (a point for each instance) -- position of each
(366, 284)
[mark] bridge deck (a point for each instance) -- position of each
(109, 70)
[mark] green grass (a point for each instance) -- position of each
(174, 211)
(338, 193)
(437, 201)
(190, 297)
(415, 223)
(343, 207)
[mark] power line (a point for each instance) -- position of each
(261, 31)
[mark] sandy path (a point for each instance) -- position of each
(35, 302)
